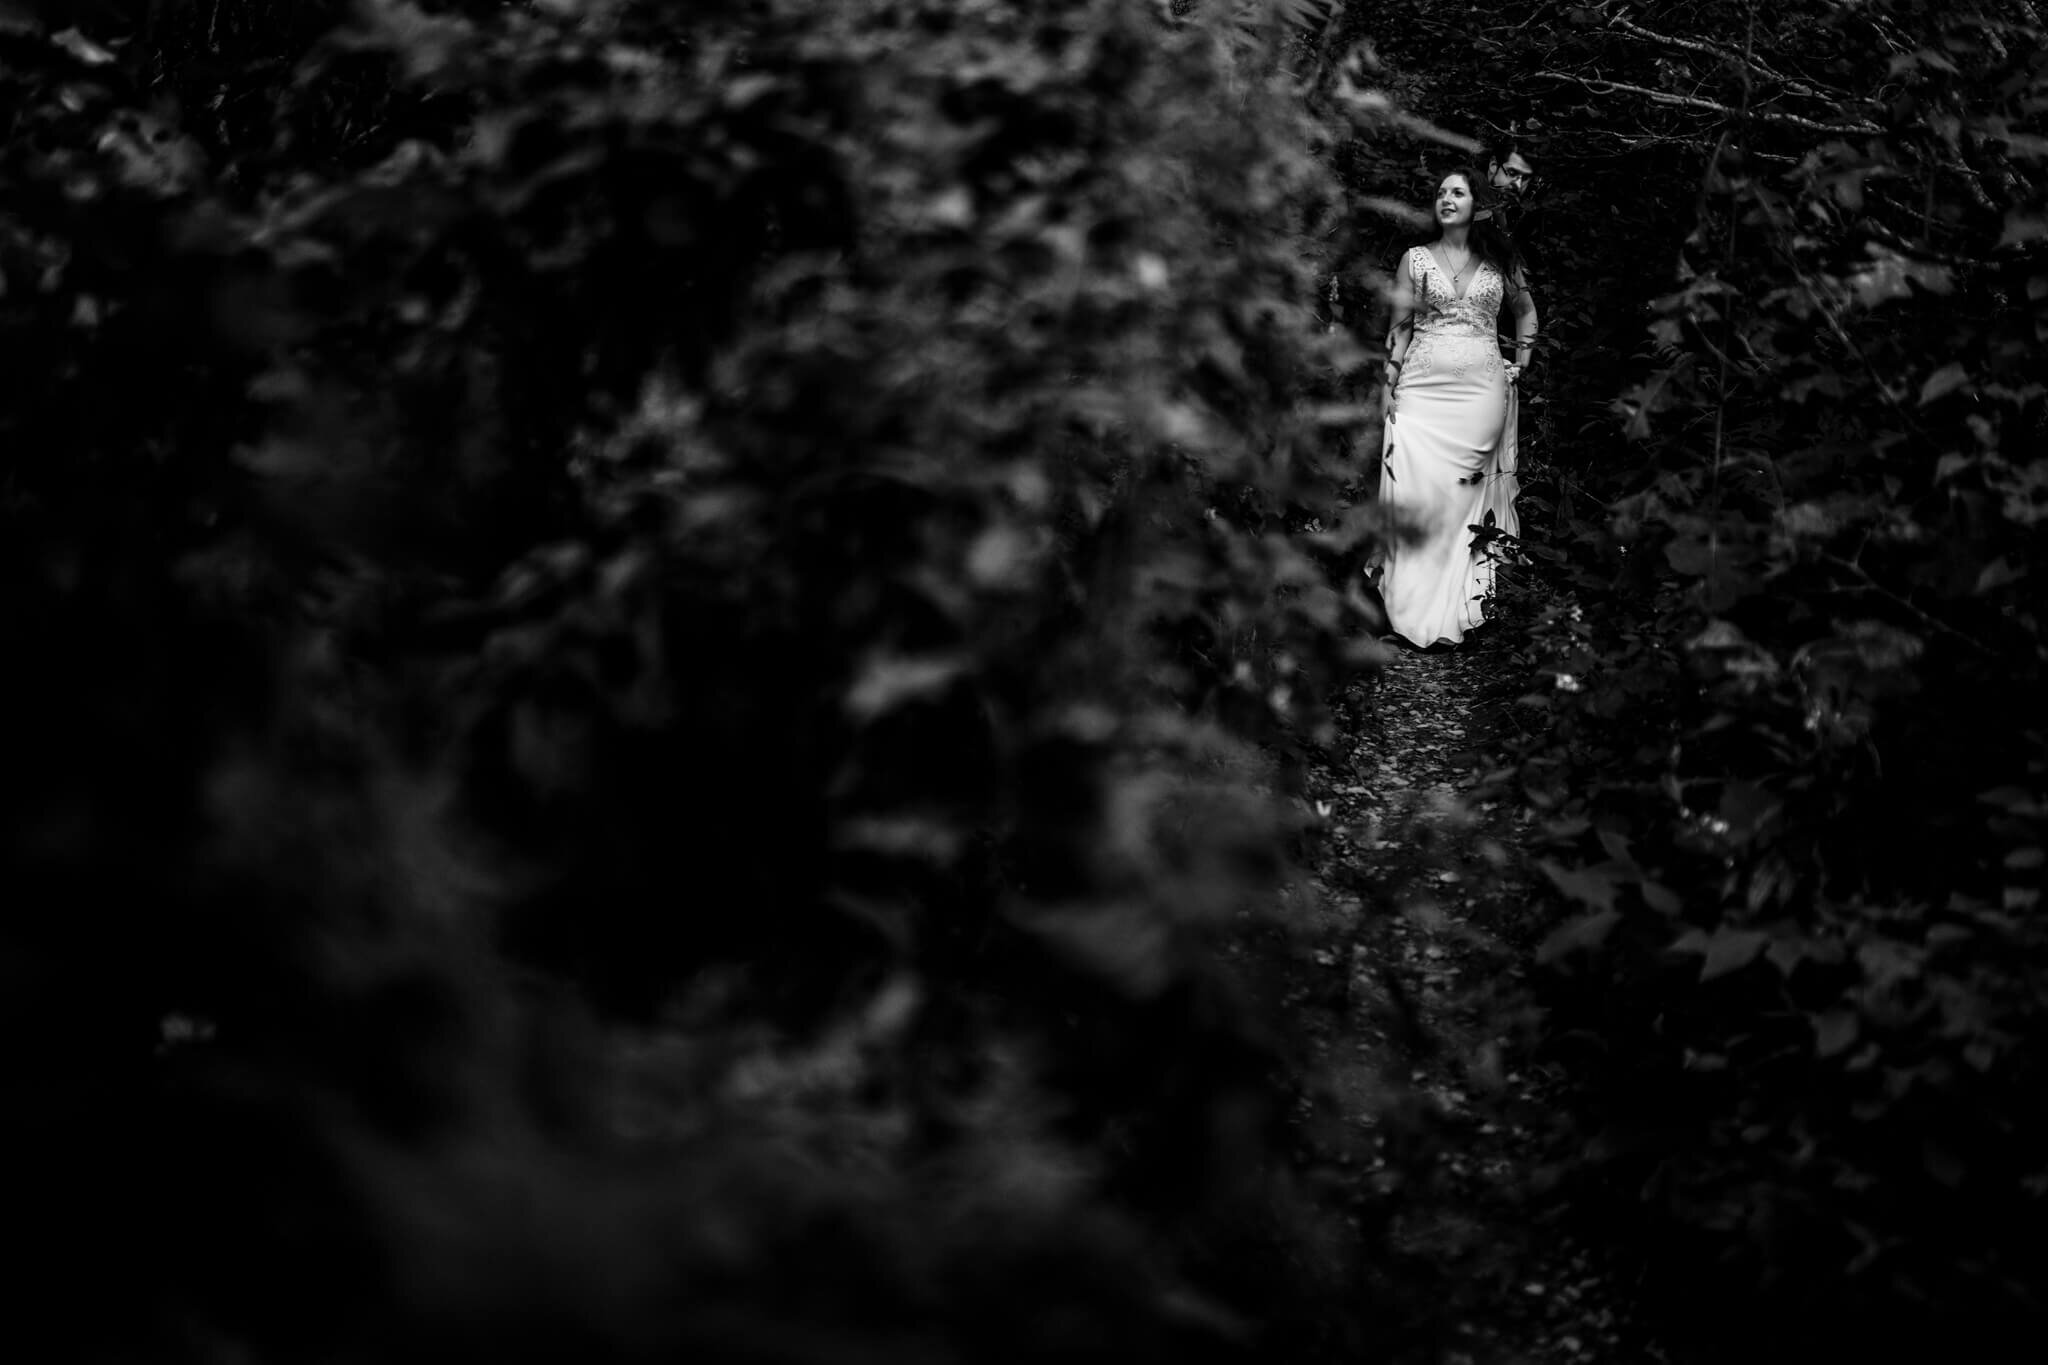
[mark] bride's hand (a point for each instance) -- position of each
(1514, 372)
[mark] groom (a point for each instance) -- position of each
(1511, 175)
(1514, 181)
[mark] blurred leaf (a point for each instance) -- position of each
(1584, 934)
(1593, 886)
(1746, 806)
(1399, 210)
(1120, 942)
(1661, 899)
(1729, 950)
(1691, 556)
(1998, 574)
(888, 682)
(82, 48)
(2022, 228)
(1945, 380)
(1835, 1032)
(903, 836)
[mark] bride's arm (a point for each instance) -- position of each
(1401, 329)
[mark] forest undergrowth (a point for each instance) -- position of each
(1400, 961)
(692, 681)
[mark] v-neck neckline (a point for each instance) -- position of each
(1456, 295)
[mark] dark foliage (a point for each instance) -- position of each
(644, 644)
(1786, 730)
(627, 718)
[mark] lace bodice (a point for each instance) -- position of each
(1438, 309)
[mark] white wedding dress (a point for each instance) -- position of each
(1448, 462)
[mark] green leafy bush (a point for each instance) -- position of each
(1787, 724)
(662, 714)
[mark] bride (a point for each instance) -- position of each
(1449, 455)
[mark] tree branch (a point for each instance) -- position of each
(1931, 622)
(1627, 25)
(1600, 86)
(1891, 237)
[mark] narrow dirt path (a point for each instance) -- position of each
(1399, 971)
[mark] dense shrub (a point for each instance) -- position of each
(1787, 727)
(633, 662)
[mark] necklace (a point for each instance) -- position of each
(1459, 273)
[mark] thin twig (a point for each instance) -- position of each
(1727, 363)
(1933, 623)
(1637, 142)
(1978, 195)
(1727, 314)
(1601, 86)
(1797, 87)
(1878, 228)
(1830, 316)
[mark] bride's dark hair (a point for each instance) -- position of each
(1489, 241)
